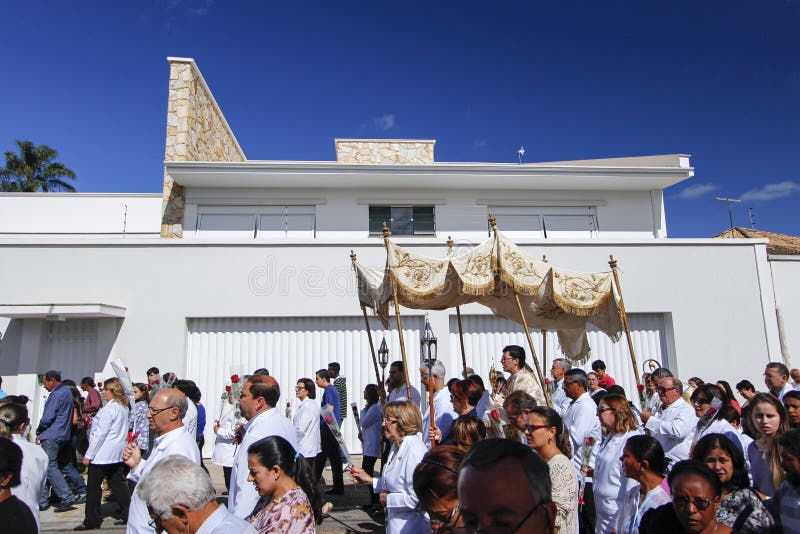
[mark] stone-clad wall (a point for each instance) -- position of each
(196, 131)
(387, 152)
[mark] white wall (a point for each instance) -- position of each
(786, 280)
(708, 288)
(80, 213)
(344, 213)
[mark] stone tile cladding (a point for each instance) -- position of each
(196, 131)
(384, 152)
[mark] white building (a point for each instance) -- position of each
(246, 263)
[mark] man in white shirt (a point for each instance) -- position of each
(559, 396)
(165, 415)
(675, 426)
(582, 422)
(398, 378)
(257, 401)
(443, 412)
(180, 499)
(776, 378)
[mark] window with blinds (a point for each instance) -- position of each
(256, 222)
(402, 220)
(546, 221)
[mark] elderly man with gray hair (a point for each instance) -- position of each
(165, 415)
(675, 426)
(559, 396)
(180, 498)
(443, 412)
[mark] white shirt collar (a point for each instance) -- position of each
(175, 431)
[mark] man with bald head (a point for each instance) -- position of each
(675, 426)
(165, 415)
(257, 402)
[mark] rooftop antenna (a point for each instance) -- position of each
(752, 217)
(124, 219)
(520, 153)
(730, 211)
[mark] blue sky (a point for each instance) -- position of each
(719, 80)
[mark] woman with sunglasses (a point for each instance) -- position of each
(740, 507)
(547, 435)
(436, 484)
(610, 484)
(402, 424)
(709, 403)
(696, 493)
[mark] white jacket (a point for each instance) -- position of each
(582, 422)
(109, 434)
(403, 514)
(243, 497)
(34, 474)
(400, 394)
(443, 414)
(190, 419)
(176, 441)
(306, 424)
(674, 429)
(610, 484)
(371, 420)
(225, 440)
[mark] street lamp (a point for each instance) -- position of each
(428, 350)
(383, 360)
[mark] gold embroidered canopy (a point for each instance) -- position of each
(495, 273)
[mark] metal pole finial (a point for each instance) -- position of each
(612, 262)
(544, 258)
(493, 223)
(353, 256)
(385, 230)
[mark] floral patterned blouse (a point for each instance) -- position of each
(291, 514)
(140, 424)
(758, 520)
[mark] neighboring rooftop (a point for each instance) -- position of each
(779, 244)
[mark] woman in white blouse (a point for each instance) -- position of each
(14, 421)
(225, 440)
(107, 440)
(402, 424)
(370, 435)
(306, 420)
(610, 483)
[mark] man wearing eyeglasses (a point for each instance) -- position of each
(165, 416)
(493, 467)
(675, 426)
(521, 379)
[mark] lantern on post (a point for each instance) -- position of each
(428, 350)
(383, 360)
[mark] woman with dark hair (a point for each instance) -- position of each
(610, 484)
(466, 394)
(709, 402)
(726, 387)
(138, 418)
(370, 435)
(740, 507)
(791, 401)
(770, 420)
(15, 516)
(277, 472)
(466, 431)
(643, 460)
(306, 420)
(696, 493)
(548, 436)
(436, 484)
(13, 424)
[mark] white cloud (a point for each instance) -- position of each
(772, 191)
(382, 123)
(476, 145)
(697, 191)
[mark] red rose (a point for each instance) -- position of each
(235, 379)
(126, 369)
(329, 419)
(640, 387)
(158, 381)
(227, 388)
(100, 384)
(546, 380)
(495, 414)
(589, 440)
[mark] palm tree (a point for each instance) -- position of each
(33, 169)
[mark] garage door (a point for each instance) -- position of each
(291, 348)
(486, 335)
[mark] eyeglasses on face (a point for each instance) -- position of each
(601, 410)
(440, 524)
(700, 401)
(664, 390)
(683, 502)
(157, 411)
(390, 421)
(497, 529)
(533, 428)
(296, 388)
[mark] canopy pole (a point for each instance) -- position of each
(450, 244)
(410, 400)
(369, 330)
(544, 349)
(533, 350)
(613, 264)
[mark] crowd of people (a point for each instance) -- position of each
(573, 455)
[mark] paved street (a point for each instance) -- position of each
(346, 516)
